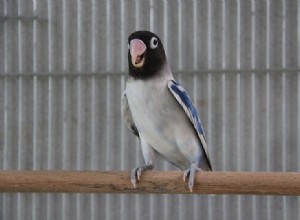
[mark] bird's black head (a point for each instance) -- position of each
(146, 54)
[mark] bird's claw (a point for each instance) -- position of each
(191, 173)
(133, 183)
(136, 173)
(135, 176)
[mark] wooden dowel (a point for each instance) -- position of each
(171, 182)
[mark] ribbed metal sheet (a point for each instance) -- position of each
(63, 69)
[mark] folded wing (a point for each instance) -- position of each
(186, 103)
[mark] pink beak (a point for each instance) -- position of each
(137, 51)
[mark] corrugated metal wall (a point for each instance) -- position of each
(63, 68)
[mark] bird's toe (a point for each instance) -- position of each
(134, 176)
(185, 174)
(191, 173)
(136, 173)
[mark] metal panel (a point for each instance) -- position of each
(63, 69)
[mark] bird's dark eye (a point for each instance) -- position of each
(153, 43)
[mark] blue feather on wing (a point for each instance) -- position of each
(184, 97)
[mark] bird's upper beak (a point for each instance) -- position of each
(137, 51)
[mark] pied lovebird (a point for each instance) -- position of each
(159, 111)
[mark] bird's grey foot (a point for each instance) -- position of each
(191, 173)
(137, 172)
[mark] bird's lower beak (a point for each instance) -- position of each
(137, 51)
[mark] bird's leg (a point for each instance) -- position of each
(148, 154)
(191, 173)
(137, 172)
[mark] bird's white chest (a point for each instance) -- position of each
(156, 113)
(148, 103)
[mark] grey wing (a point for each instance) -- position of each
(127, 116)
(186, 103)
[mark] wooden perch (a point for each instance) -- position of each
(171, 182)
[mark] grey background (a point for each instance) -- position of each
(63, 67)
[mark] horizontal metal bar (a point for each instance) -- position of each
(17, 18)
(59, 74)
(256, 183)
(75, 74)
